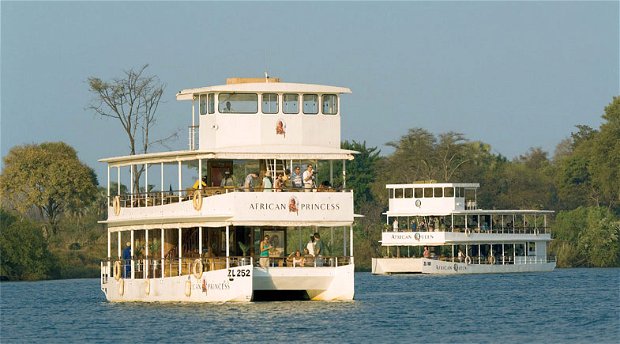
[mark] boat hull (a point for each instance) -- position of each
(236, 284)
(386, 266)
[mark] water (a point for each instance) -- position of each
(567, 305)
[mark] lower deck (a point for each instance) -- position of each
(243, 282)
(478, 265)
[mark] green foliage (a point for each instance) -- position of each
(586, 236)
(24, 250)
(48, 177)
(361, 172)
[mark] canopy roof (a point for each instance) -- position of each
(280, 152)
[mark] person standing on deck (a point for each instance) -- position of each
(310, 246)
(249, 181)
(296, 178)
(264, 252)
(228, 180)
(308, 179)
(127, 260)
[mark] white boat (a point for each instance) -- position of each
(437, 228)
(170, 241)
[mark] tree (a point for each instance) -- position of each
(133, 101)
(605, 157)
(25, 254)
(361, 171)
(48, 177)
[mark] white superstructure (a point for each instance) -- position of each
(437, 228)
(174, 238)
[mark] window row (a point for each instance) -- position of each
(247, 103)
(427, 192)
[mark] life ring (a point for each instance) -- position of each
(467, 232)
(147, 287)
(121, 287)
(491, 259)
(197, 268)
(116, 204)
(117, 270)
(197, 199)
(188, 288)
(467, 260)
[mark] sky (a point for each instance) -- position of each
(515, 75)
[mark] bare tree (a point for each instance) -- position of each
(133, 101)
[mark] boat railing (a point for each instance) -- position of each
(501, 260)
(157, 198)
(309, 261)
(167, 267)
(479, 230)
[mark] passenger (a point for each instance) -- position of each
(197, 184)
(267, 184)
(310, 246)
(296, 258)
(427, 253)
(249, 181)
(127, 260)
(325, 186)
(264, 252)
(319, 250)
(228, 180)
(296, 178)
(308, 178)
(286, 180)
(308, 258)
(461, 256)
(278, 183)
(228, 107)
(395, 225)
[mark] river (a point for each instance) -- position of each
(564, 306)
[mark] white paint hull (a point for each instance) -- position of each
(321, 283)
(385, 266)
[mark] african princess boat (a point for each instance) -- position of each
(187, 225)
(437, 228)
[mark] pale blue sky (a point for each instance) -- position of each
(512, 74)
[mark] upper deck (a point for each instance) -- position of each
(420, 199)
(264, 112)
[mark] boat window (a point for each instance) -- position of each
(398, 193)
(330, 104)
(438, 192)
(311, 104)
(238, 103)
(290, 104)
(448, 192)
(428, 192)
(408, 193)
(417, 193)
(270, 103)
(391, 193)
(202, 104)
(211, 103)
(460, 192)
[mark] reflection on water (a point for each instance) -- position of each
(573, 305)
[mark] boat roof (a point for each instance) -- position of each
(280, 152)
(262, 87)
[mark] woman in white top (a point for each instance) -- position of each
(267, 186)
(310, 246)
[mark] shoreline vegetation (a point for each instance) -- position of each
(48, 216)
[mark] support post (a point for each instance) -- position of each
(227, 247)
(133, 270)
(180, 251)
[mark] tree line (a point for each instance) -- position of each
(51, 201)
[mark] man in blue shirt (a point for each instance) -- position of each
(127, 260)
